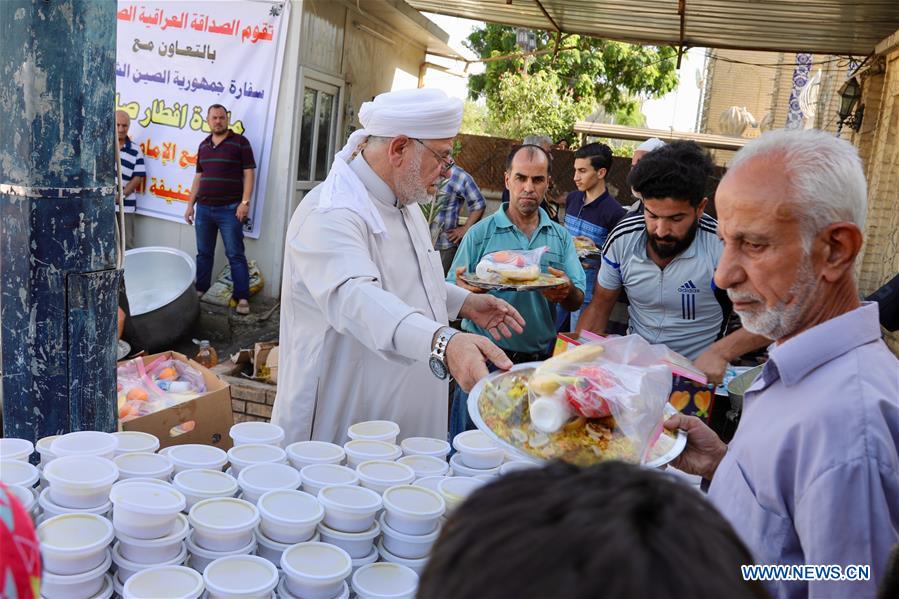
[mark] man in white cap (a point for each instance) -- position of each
(364, 305)
(653, 143)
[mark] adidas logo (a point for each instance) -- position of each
(688, 287)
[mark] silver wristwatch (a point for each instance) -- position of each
(437, 361)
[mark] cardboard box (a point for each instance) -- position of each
(210, 413)
(264, 358)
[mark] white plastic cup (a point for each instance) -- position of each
(455, 489)
(416, 565)
(18, 472)
(478, 450)
(316, 477)
(74, 543)
(429, 482)
(460, 469)
(81, 585)
(349, 508)
(374, 430)
(306, 453)
(385, 581)
(371, 558)
(25, 495)
(200, 557)
(240, 577)
(425, 465)
(126, 568)
(223, 524)
(141, 464)
(135, 442)
(363, 450)
(245, 433)
(50, 509)
(413, 510)
(145, 510)
(194, 456)
(201, 484)
(289, 516)
(15, 449)
(43, 448)
(380, 475)
(273, 550)
(85, 443)
(174, 582)
(356, 544)
(154, 551)
(283, 593)
(258, 479)
(404, 545)
(242, 456)
(80, 481)
(315, 570)
(436, 448)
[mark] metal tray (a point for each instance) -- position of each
(545, 281)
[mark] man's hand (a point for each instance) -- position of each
(460, 283)
(242, 211)
(493, 314)
(560, 292)
(189, 213)
(713, 365)
(456, 235)
(467, 356)
(704, 449)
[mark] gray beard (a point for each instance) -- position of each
(783, 319)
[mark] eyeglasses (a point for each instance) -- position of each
(446, 162)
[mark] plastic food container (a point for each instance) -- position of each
(460, 469)
(200, 557)
(371, 558)
(356, 544)
(289, 516)
(141, 464)
(436, 448)
(258, 479)
(172, 582)
(51, 509)
(425, 465)
(283, 593)
(135, 442)
(242, 456)
(194, 455)
(15, 449)
(223, 524)
(306, 453)
(429, 482)
(416, 565)
(43, 448)
(385, 581)
(374, 430)
(154, 551)
(80, 481)
(516, 465)
(349, 508)
(145, 510)
(362, 450)
(455, 489)
(85, 443)
(107, 590)
(272, 550)
(380, 475)
(245, 433)
(82, 585)
(316, 477)
(478, 450)
(25, 496)
(74, 543)
(18, 472)
(201, 484)
(126, 568)
(413, 510)
(240, 577)
(404, 545)
(315, 570)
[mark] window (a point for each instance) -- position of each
(318, 130)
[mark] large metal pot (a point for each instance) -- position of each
(161, 295)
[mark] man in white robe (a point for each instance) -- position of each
(363, 297)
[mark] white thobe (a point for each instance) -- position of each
(358, 314)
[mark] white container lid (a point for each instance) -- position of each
(82, 471)
(322, 475)
(429, 482)
(84, 443)
(425, 446)
(417, 502)
(390, 557)
(194, 455)
(182, 529)
(257, 453)
(15, 449)
(82, 577)
(475, 441)
(516, 465)
(126, 564)
(461, 469)
(257, 432)
(224, 514)
(288, 506)
(43, 445)
(133, 441)
(242, 575)
(387, 530)
(385, 580)
(457, 488)
(373, 531)
(350, 498)
(259, 477)
(147, 498)
(141, 463)
(75, 533)
(263, 540)
(386, 472)
(47, 505)
(205, 482)
(317, 561)
(176, 582)
(381, 430)
(18, 472)
(373, 449)
(198, 551)
(314, 451)
(425, 465)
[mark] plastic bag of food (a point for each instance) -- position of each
(147, 388)
(511, 265)
(623, 377)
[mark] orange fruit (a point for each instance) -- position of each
(680, 400)
(137, 394)
(167, 374)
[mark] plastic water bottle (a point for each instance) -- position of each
(206, 356)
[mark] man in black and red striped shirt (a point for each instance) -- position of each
(221, 190)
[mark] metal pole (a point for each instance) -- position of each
(58, 283)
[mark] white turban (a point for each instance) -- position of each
(653, 143)
(417, 113)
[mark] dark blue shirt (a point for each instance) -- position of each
(594, 220)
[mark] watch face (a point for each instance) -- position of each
(437, 367)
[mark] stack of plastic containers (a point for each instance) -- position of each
(222, 527)
(75, 556)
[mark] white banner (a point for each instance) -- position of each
(173, 60)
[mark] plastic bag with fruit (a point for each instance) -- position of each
(147, 388)
(622, 377)
(511, 265)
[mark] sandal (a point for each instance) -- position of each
(243, 308)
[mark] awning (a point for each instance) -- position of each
(405, 22)
(816, 26)
(717, 142)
